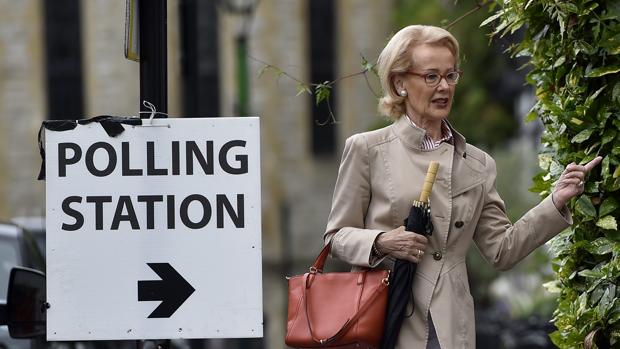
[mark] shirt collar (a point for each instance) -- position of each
(428, 142)
(412, 136)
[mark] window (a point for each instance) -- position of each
(322, 62)
(63, 59)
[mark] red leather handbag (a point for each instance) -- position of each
(336, 310)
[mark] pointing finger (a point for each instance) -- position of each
(590, 165)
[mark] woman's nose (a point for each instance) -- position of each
(443, 84)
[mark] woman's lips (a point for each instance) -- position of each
(440, 102)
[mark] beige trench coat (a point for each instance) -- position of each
(382, 172)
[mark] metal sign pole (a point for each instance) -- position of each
(153, 56)
(153, 74)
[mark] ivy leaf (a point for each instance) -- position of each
(544, 160)
(587, 273)
(576, 121)
(582, 136)
(303, 88)
(559, 62)
(595, 73)
(492, 18)
(552, 286)
(600, 246)
(322, 92)
(606, 301)
(615, 94)
(608, 206)
(597, 294)
(368, 66)
(614, 317)
(531, 116)
(609, 135)
(593, 96)
(607, 222)
(585, 207)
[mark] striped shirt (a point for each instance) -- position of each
(428, 143)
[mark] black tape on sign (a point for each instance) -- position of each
(113, 126)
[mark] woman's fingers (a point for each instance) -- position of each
(403, 244)
(575, 174)
(571, 182)
(590, 165)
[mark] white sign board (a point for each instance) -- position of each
(154, 233)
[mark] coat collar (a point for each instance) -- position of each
(413, 136)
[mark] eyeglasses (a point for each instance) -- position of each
(433, 79)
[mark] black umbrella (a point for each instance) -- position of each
(401, 278)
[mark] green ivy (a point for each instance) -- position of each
(574, 50)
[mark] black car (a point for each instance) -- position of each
(17, 248)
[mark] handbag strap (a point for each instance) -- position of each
(345, 327)
(319, 262)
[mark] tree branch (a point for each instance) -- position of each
(479, 5)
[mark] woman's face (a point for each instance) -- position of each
(428, 103)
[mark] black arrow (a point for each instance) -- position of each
(173, 290)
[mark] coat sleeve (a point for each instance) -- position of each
(351, 242)
(504, 244)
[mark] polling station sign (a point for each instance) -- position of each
(154, 233)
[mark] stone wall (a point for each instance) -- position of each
(22, 101)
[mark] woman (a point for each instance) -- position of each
(382, 172)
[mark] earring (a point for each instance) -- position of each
(403, 93)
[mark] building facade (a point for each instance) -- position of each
(63, 59)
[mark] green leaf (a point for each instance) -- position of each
(531, 116)
(303, 88)
(593, 96)
(595, 73)
(576, 121)
(607, 222)
(608, 206)
(582, 136)
(597, 294)
(614, 317)
(594, 274)
(607, 300)
(600, 246)
(609, 135)
(322, 92)
(615, 94)
(544, 161)
(492, 18)
(585, 207)
(552, 286)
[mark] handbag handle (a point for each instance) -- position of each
(319, 262)
(317, 267)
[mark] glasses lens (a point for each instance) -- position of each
(432, 78)
(452, 77)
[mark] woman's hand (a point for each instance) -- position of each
(571, 181)
(402, 244)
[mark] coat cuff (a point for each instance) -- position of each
(564, 212)
(555, 219)
(354, 246)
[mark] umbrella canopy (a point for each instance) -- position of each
(401, 279)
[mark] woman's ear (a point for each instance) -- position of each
(398, 83)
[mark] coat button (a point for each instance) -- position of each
(458, 224)
(437, 255)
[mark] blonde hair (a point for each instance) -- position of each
(396, 58)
